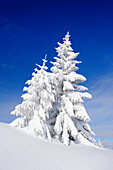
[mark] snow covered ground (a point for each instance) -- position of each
(19, 151)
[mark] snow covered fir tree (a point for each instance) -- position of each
(72, 120)
(52, 106)
(37, 103)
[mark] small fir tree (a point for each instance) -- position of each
(37, 103)
(72, 120)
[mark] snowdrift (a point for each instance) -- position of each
(20, 151)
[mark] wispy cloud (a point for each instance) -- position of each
(7, 66)
(104, 131)
(108, 144)
(7, 104)
(100, 108)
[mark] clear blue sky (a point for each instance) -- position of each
(31, 29)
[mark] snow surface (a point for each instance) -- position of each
(21, 151)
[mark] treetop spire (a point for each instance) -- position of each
(67, 37)
(44, 61)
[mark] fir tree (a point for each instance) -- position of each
(35, 109)
(72, 120)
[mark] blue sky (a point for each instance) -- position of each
(31, 29)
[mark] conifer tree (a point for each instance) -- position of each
(35, 109)
(72, 120)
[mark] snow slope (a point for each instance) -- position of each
(19, 151)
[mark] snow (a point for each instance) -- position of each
(72, 77)
(67, 86)
(19, 122)
(21, 151)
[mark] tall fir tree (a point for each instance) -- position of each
(36, 107)
(72, 120)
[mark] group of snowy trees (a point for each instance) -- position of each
(52, 106)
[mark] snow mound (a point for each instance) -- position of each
(19, 150)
